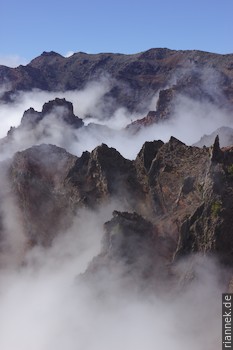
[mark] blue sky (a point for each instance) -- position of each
(30, 27)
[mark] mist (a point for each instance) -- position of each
(45, 305)
(44, 301)
(190, 120)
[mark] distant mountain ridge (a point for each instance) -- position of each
(225, 137)
(135, 78)
(176, 199)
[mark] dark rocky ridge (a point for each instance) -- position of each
(36, 126)
(178, 198)
(134, 78)
(60, 107)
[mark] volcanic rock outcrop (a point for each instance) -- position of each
(42, 127)
(178, 198)
(164, 109)
(61, 109)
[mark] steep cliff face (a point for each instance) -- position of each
(133, 254)
(163, 110)
(37, 176)
(181, 194)
(190, 190)
(104, 174)
(209, 228)
(51, 185)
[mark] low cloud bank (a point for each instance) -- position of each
(190, 120)
(45, 305)
(43, 302)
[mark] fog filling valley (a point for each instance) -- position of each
(190, 121)
(44, 305)
(44, 301)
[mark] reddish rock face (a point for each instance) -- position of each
(164, 109)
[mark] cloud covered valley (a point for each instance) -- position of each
(75, 276)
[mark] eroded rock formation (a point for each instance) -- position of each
(183, 192)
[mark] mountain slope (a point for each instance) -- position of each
(184, 192)
(134, 79)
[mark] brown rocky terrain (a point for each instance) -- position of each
(178, 200)
(164, 109)
(133, 79)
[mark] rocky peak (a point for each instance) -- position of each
(148, 153)
(130, 247)
(61, 109)
(216, 151)
(57, 102)
(157, 53)
(31, 118)
(108, 156)
(171, 191)
(46, 58)
(50, 54)
(164, 109)
(125, 227)
(113, 174)
(47, 162)
(165, 103)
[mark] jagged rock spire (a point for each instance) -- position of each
(216, 151)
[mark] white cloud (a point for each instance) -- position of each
(43, 304)
(191, 119)
(69, 53)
